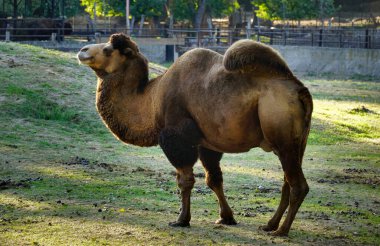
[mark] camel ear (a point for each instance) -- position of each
(128, 52)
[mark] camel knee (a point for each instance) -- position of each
(185, 182)
(298, 192)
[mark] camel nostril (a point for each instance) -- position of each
(84, 49)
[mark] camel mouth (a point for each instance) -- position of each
(84, 58)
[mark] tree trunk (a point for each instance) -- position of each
(132, 23)
(62, 13)
(53, 8)
(156, 22)
(321, 9)
(28, 7)
(15, 6)
(171, 21)
(200, 13)
(141, 24)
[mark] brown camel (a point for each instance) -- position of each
(204, 105)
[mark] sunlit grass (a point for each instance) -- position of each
(62, 172)
(14, 202)
(342, 123)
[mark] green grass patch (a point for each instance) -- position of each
(34, 104)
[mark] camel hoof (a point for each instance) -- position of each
(179, 224)
(226, 221)
(268, 228)
(279, 233)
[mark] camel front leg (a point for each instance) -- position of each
(182, 154)
(185, 181)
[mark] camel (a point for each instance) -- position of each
(205, 105)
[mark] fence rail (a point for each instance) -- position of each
(333, 37)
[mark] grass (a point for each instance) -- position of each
(64, 179)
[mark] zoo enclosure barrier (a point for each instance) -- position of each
(34, 29)
(219, 37)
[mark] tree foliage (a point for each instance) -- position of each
(188, 10)
(148, 8)
(294, 9)
(39, 8)
(104, 8)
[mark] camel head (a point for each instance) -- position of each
(110, 56)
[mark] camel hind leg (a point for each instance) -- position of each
(214, 179)
(284, 203)
(294, 190)
(286, 134)
(298, 188)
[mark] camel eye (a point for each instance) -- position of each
(107, 50)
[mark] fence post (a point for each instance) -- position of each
(53, 37)
(271, 37)
(284, 36)
(88, 32)
(320, 37)
(312, 38)
(340, 39)
(230, 37)
(7, 34)
(198, 38)
(97, 37)
(366, 40)
(258, 35)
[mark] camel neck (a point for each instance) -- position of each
(127, 113)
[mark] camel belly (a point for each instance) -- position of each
(232, 147)
(232, 136)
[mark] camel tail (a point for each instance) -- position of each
(307, 101)
(251, 55)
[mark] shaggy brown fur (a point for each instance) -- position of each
(203, 106)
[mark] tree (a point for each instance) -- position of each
(152, 9)
(270, 10)
(294, 9)
(104, 8)
(195, 11)
(40, 8)
(326, 9)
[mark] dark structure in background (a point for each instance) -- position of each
(355, 7)
(36, 19)
(359, 10)
(35, 29)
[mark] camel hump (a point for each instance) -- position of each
(248, 54)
